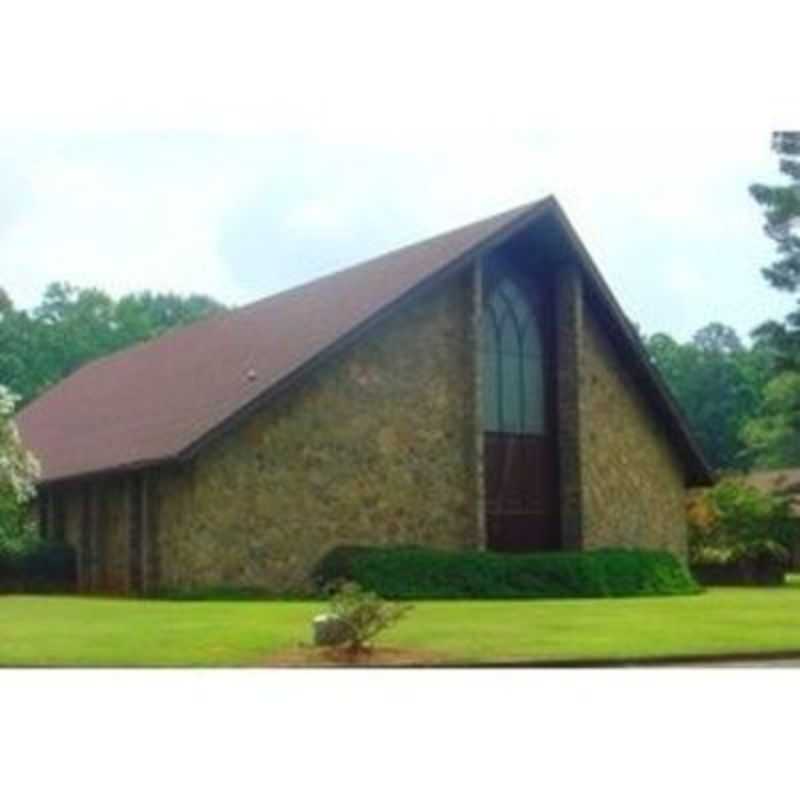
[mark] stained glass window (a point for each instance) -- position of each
(513, 380)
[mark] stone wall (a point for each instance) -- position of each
(104, 569)
(633, 484)
(71, 498)
(111, 539)
(375, 446)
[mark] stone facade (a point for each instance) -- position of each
(111, 569)
(633, 486)
(375, 446)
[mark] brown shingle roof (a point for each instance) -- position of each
(162, 399)
(153, 401)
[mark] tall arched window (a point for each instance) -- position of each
(513, 384)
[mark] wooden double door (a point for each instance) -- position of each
(520, 445)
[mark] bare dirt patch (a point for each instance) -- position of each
(308, 656)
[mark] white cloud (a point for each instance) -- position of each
(101, 223)
(351, 129)
(665, 213)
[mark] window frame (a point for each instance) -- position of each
(513, 348)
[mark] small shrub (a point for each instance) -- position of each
(733, 523)
(30, 564)
(422, 573)
(364, 614)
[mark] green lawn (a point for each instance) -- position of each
(66, 631)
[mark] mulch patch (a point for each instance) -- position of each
(308, 656)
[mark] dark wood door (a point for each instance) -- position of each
(520, 457)
(521, 493)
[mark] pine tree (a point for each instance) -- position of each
(773, 434)
(781, 205)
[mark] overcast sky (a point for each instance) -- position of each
(238, 163)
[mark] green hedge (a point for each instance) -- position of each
(421, 573)
(34, 565)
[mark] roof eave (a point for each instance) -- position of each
(106, 472)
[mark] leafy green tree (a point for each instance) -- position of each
(718, 383)
(773, 434)
(146, 314)
(71, 326)
(20, 353)
(74, 326)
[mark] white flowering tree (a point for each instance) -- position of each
(18, 471)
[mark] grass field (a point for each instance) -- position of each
(80, 631)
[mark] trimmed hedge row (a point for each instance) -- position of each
(34, 565)
(421, 573)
